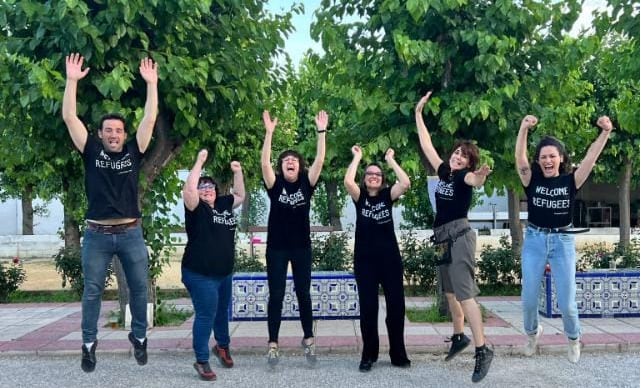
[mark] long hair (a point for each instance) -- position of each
(285, 154)
(470, 150)
(384, 183)
(565, 164)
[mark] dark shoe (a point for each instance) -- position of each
(223, 355)
(459, 342)
(483, 358)
(88, 362)
(365, 366)
(204, 370)
(140, 350)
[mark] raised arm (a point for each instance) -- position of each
(315, 170)
(594, 151)
(239, 185)
(190, 188)
(266, 166)
(403, 182)
(521, 156)
(351, 173)
(478, 177)
(77, 130)
(424, 137)
(149, 72)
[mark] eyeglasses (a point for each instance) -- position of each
(373, 173)
(206, 185)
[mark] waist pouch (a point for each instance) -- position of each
(443, 248)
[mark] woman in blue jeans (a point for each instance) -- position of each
(208, 261)
(550, 187)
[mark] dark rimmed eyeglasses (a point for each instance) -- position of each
(206, 185)
(374, 173)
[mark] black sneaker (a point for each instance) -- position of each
(483, 358)
(459, 342)
(88, 362)
(365, 366)
(140, 350)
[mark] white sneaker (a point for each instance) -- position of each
(531, 346)
(574, 350)
(273, 356)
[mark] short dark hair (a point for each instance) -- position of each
(285, 154)
(362, 185)
(565, 164)
(470, 150)
(209, 179)
(112, 116)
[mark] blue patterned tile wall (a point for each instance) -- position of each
(600, 293)
(334, 296)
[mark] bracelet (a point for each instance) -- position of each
(321, 131)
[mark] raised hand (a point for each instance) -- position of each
(149, 70)
(356, 151)
(390, 155)
(483, 171)
(420, 105)
(321, 120)
(73, 64)
(202, 156)
(268, 122)
(235, 166)
(528, 122)
(604, 122)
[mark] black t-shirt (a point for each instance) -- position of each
(210, 237)
(289, 219)
(375, 230)
(453, 196)
(111, 180)
(550, 200)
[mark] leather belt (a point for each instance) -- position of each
(112, 229)
(563, 229)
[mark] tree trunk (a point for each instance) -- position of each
(332, 195)
(245, 214)
(71, 228)
(27, 210)
(624, 201)
(516, 233)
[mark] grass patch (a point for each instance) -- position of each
(170, 315)
(69, 296)
(431, 314)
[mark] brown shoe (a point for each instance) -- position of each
(223, 355)
(204, 370)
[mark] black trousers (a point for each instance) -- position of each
(277, 268)
(370, 271)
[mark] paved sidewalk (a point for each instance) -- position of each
(54, 328)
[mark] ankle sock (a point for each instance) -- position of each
(88, 345)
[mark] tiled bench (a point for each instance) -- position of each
(600, 294)
(334, 296)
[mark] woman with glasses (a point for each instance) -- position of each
(290, 189)
(457, 178)
(377, 260)
(208, 261)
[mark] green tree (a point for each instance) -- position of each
(216, 75)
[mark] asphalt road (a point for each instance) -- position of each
(175, 370)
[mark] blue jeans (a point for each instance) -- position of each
(211, 297)
(558, 249)
(97, 252)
